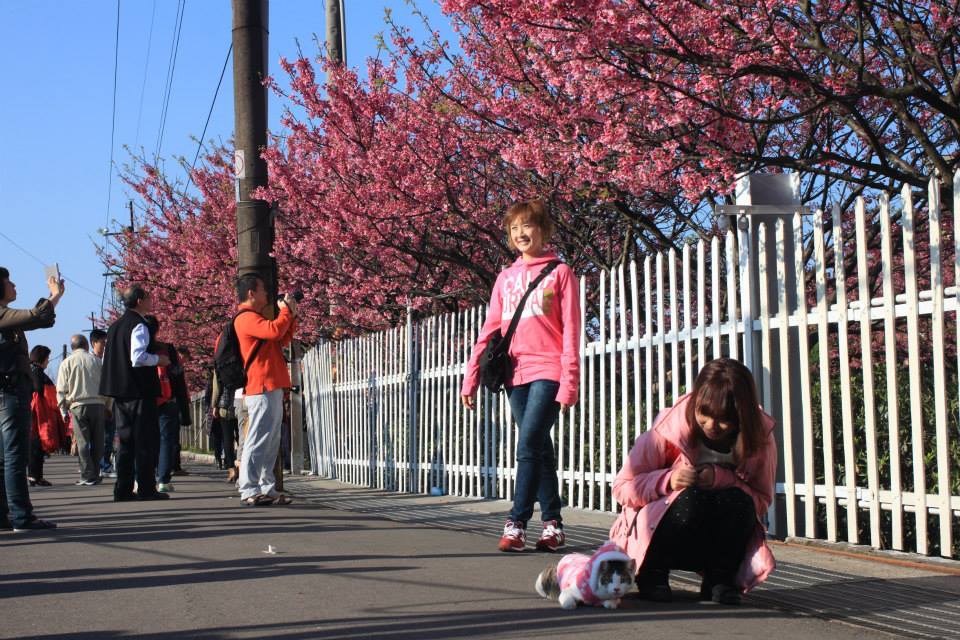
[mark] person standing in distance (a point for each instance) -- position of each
(130, 378)
(545, 352)
(261, 347)
(78, 393)
(16, 391)
(98, 344)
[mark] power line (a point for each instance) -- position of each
(44, 264)
(171, 67)
(113, 126)
(113, 117)
(146, 67)
(210, 112)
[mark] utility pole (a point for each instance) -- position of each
(251, 36)
(254, 222)
(336, 32)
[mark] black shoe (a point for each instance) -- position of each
(124, 497)
(655, 592)
(154, 496)
(654, 585)
(35, 525)
(724, 594)
(179, 472)
(5, 525)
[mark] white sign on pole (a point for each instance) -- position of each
(239, 165)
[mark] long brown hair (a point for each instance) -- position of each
(725, 390)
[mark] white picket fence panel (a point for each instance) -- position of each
(383, 410)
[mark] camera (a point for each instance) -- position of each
(296, 295)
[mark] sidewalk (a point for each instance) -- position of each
(356, 563)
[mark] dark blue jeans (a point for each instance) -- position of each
(169, 417)
(109, 433)
(14, 439)
(535, 409)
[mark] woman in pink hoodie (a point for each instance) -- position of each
(696, 486)
(546, 367)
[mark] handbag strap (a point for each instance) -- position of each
(505, 343)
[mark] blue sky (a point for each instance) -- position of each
(57, 109)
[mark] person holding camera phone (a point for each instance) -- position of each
(16, 391)
(261, 347)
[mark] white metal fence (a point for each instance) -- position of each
(868, 437)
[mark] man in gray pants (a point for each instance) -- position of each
(78, 385)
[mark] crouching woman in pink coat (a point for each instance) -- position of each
(696, 486)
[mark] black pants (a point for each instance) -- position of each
(35, 458)
(139, 433)
(703, 530)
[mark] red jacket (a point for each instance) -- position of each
(268, 370)
(47, 423)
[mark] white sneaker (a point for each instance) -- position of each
(165, 487)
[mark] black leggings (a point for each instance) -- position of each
(703, 530)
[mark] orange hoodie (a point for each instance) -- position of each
(268, 371)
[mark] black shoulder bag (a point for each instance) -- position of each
(496, 368)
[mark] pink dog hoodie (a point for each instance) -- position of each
(546, 345)
(583, 570)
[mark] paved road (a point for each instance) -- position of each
(195, 567)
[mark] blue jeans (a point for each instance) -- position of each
(535, 409)
(14, 439)
(169, 417)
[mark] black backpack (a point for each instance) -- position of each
(228, 362)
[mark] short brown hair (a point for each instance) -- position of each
(534, 211)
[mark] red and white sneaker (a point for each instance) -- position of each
(552, 537)
(514, 538)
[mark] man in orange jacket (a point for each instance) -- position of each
(261, 344)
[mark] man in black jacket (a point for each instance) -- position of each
(130, 378)
(16, 510)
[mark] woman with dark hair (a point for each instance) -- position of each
(47, 432)
(16, 511)
(696, 487)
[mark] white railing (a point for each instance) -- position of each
(868, 462)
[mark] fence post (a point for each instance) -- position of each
(412, 378)
(769, 198)
(296, 411)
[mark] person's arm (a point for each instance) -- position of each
(645, 475)
(139, 341)
(288, 336)
(41, 316)
(63, 386)
(759, 485)
(491, 326)
(256, 326)
(570, 359)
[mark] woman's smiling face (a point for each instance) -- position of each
(527, 237)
